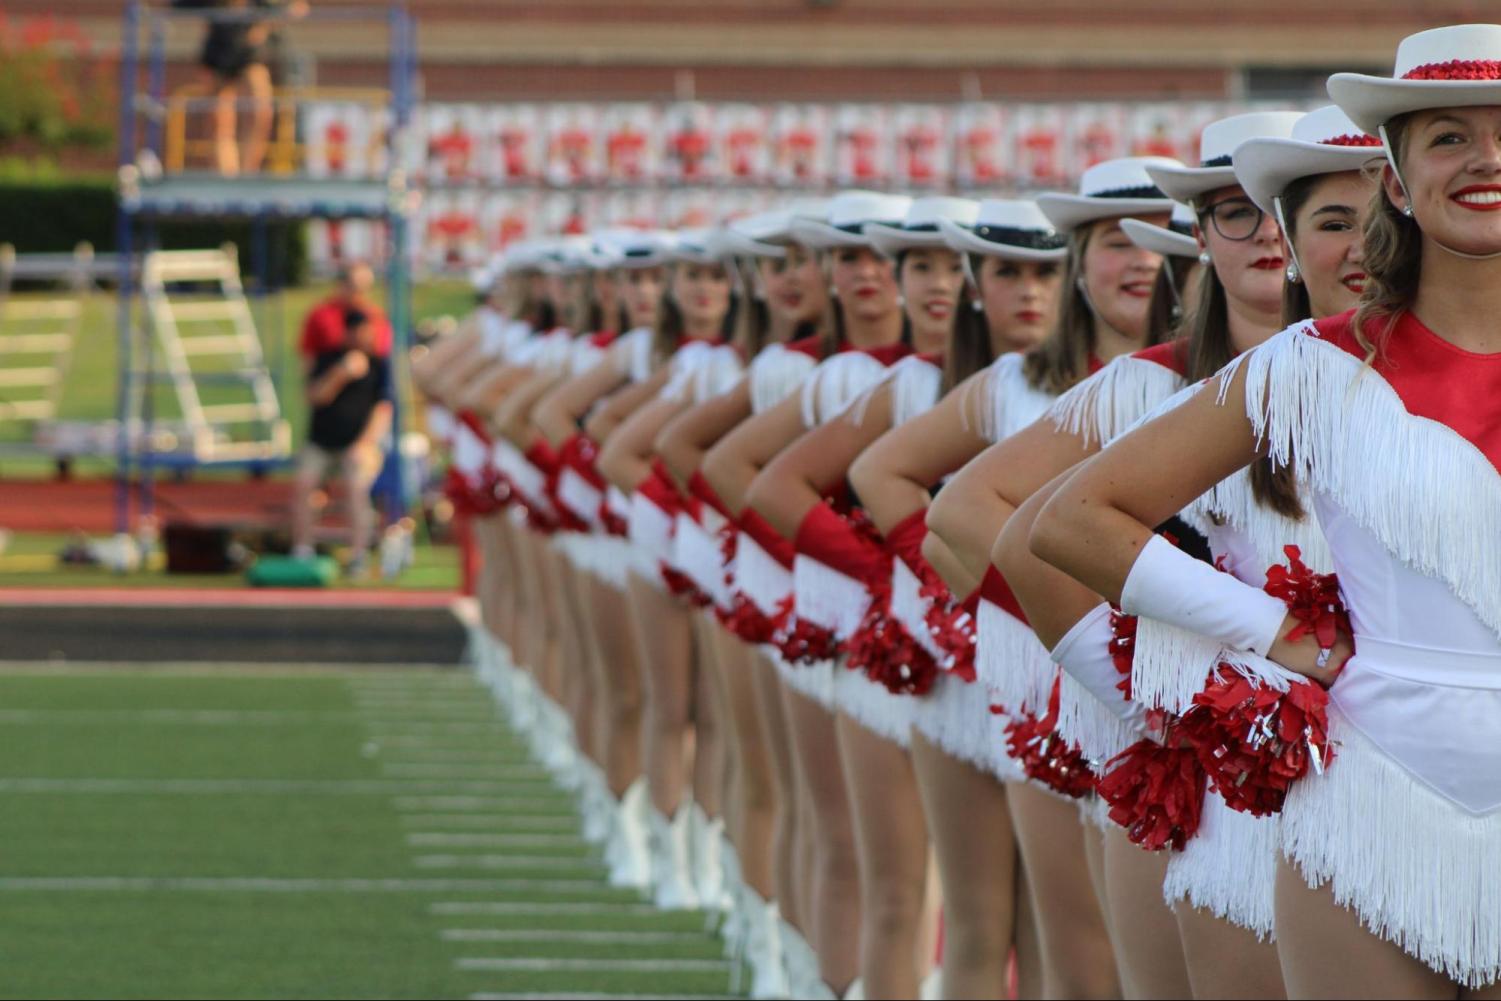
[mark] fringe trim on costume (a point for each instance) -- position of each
(697, 555)
(909, 608)
(914, 384)
(1003, 402)
(759, 576)
(835, 383)
(651, 529)
(1010, 662)
(775, 374)
(1232, 502)
(579, 496)
(955, 716)
(583, 356)
(1107, 403)
(1170, 665)
(873, 706)
(685, 367)
(815, 680)
(1228, 868)
(1084, 720)
(1420, 487)
(718, 373)
(468, 451)
(827, 598)
(632, 351)
(1419, 870)
(612, 560)
(1093, 810)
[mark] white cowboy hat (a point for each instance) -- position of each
(1176, 239)
(1458, 66)
(697, 246)
(1325, 141)
(1109, 190)
(566, 255)
(632, 248)
(1216, 147)
(766, 234)
(920, 227)
(1015, 229)
(848, 215)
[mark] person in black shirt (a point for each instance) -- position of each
(235, 52)
(347, 390)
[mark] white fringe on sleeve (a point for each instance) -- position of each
(1003, 402)
(1420, 487)
(1104, 405)
(836, 382)
(775, 374)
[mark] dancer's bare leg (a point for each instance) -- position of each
(1148, 948)
(665, 651)
(1226, 960)
(776, 740)
(621, 692)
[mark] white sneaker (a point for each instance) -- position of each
(628, 852)
(671, 861)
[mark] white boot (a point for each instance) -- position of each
(856, 991)
(708, 854)
(804, 978)
(737, 897)
(932, 985)
(764, 947)
(672, 873)
(628, 852)
(596, 806)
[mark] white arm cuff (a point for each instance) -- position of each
(1084, 654)
(1170, 586)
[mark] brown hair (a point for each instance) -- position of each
(969, 348)
(1062, 360)
(831, 329)
(1392, 260)
(1165, 309)
(669, 327)
(1296, 305)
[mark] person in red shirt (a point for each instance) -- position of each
(346, 347)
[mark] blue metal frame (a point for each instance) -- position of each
(136, 230)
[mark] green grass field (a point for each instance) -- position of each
(249, 832)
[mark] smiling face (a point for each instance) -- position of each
(930, 280)
(1020, 299)
(606, 296)
(702, 294)
(794, 287)
(1451, 164)
(1327, 235)
(640, 290)
(863, 283)
(1245, 246)
(1118, 276)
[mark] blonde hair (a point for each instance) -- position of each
(1393, 259)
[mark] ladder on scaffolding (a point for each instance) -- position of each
(211, 357)
(38, 332)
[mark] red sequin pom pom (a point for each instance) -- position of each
(1156, 793)
(1045, 756)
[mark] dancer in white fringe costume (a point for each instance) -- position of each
(873, 724)
(1014, 258)
(1387, 415)
(682, 775)
(867, 338)
(1107, 284)
(784, 300)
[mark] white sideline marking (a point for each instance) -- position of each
(505, 862)
(576, 996)
(460, 790)
(636, 937)
(191, 717)
(452, 908)
(259, 884)
(431, 742)
(385, 729)
(423, 754)
(540, 965)
(531, 822)
(511, 775)
(449, 839)
(427, 804)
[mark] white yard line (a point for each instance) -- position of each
(458, 791)
(257, 884)
(548, 965)
(519, 776)
(457, 803)
(496, 908)
(189, 717)
(636, 937)
(485, 861)
(566, 823)
(450, 839)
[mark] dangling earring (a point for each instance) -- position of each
(977, 305)
(1292, 272)
(1204, 257)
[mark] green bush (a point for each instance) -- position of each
(53, 215)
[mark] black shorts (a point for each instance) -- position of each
(228, 51)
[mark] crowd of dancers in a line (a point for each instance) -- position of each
(945, 591)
